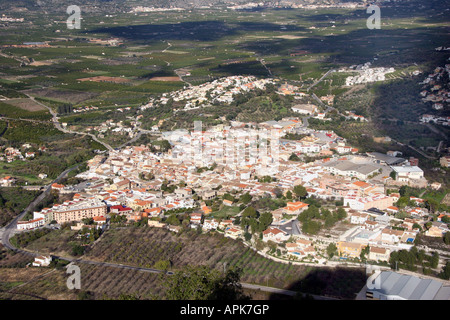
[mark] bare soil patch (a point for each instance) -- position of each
(165, 79)
(70, 96)
(26, 104)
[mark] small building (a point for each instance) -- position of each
(196, 218)
(7, 181)
(99, 220)
(31, 224)
(275, 234)
(349, 249)
(233, 232)
(445, 161)
(42, 261)
(379, 254)
(210, 224)
(305, 108)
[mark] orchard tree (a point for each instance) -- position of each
(204, 283)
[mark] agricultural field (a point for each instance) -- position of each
(148, 247)
(154, 52)
(151, 247)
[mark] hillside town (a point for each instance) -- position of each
(24, 153)
(366, 74)
(200, 180)
(437, 95)
(220, 90)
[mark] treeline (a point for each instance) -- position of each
(22, 239)
(13, 201)
(19, 132)
(65, 109)
(413, 259)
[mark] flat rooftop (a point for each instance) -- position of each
(411, 288)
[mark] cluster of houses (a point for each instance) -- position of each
(442, 120)
(433, 89)
(134, 182)
(153, 9)
(112, 42)
(220, 90)
(5, 18)
(366, 74)
(84, 109)
(7, 181)
(436, 93)
(115, 127)
(11, 154)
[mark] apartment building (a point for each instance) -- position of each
(79, 211)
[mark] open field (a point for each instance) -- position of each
(62, 95)
(26, 104)
(165, 79)
(148, 247)
(204, 40)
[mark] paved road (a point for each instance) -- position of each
(58, 125)
(8, 231)
(321, 78)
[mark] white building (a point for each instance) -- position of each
(31, 224)
(305, 108)
(210, 224)
(42, 261)
(405, 173)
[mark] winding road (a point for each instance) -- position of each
(8, 231)
(58, 125)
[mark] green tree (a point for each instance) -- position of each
(265, 220)
(445, 274)
(311, 227)
(434, 261)
(341, 214)
(311, 213)
(173, 220)
(330, 221)
(300, 191)
(77, 250)
(445, 219)
(246, 198)
(331, 250)
(203, 283)
(447, 238)
(393, 175)
(162, 265)
(294, 157)
(364, 252)
(250, 212)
